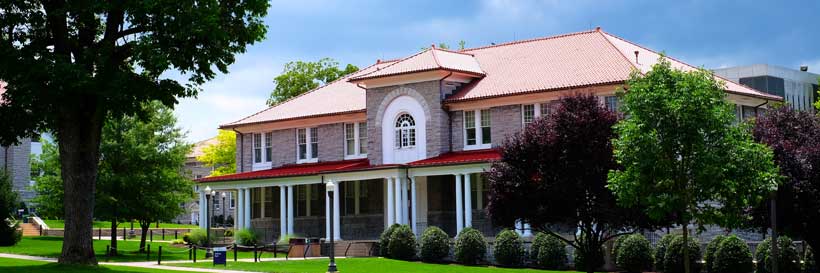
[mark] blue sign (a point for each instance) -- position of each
(220, 254)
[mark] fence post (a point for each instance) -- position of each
(159, 256)
(175, 234)
(99, 233)
(234, 252)
(151, 232)
(194, 253)
(163, 234)
(190, 246)
(148, 253)
(254, 253)
(124, 234)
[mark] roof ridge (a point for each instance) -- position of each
(456, 51)
(533, 40)
(634, 66)
(435, 59)
(396, 62)
(300, 95)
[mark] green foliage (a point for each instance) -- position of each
(787, 261)
(809, 265)
(299, 77)
(186, 237)
(674, 258)
(178, 241)
(548, 252)
(709, 254)
(617, 245)
(508, 249)
(197, 236)
(817, 103)
(732, 256)
(660, 250)
(634, 254)
(384, 240)
(402, 243)
(581, 263)
(48, 183)
(228, 233)
(9, 235)
(222, 155)
(470, 246)
(246, 237)
(435, 244)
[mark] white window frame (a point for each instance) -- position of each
(479, 136)
(308, 145)
(264, 161)
(357, 140)
(536, 113)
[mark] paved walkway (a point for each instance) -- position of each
(152, 265)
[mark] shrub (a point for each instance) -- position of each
(228, 233)
(580, 260)
(673, 259)
(809, 265)
(384, 240)
(709, 254)
(402, 243)
(470, 246)
(178, 242)
(435, 244)
(246, 237)
(509, 248)
(732, 256)
(186, 237)
(660, 250)
(9, 233)
(634, 253)
(787, 262)
(617, 245)
(198, 237)
(549, 252)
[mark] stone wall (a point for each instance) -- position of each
(331, 142)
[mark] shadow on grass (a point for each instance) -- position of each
(57, 268)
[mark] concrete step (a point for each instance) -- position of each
(358, 249)
(30, 229)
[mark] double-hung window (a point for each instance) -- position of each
(355, 140)
(262, 150)
(529, 112)
(257, 148)
(477, 129)
(612, 103)
(307, 145)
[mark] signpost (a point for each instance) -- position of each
(220, 256)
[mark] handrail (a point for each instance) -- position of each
(40, 222)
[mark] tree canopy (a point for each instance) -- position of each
(557, 169)
(9, 235)
(682, 155)
(222, 155)
(299, 77)
(48, 184)
(70, 65)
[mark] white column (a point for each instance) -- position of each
(389, 201)
(248, 208)
(405, 201)
(468, 202)
(327, 214)
(459, 205)
(337, 233)
(283, 224)
(202, 210)
(290, 209)
(262, 202)
(397, 199)
(413, 206)
(240, 219)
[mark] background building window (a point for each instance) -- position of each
(355, 139)
(268, 146)
(528, 113)
(611, 103)
(307, 144)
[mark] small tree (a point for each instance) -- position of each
(557, 169)
(48, 183)
(9, 235)
(222, 155)
(711, 249)
(732, 256)
(299, 77)
(683, 158)
(634, 254)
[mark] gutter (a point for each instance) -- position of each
(758, 106)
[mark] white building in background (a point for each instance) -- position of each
(797, 87)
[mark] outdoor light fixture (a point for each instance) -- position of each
(224, 220)
(208, 193)
(330, 187)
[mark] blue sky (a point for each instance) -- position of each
(704, 33)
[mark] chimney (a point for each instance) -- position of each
(636, 57)
(804, 68)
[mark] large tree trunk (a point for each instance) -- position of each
(79, 129)
(113, 251)
(144, 225)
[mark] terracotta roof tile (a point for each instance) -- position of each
(460, 157)
(291, 170)
(427, 60)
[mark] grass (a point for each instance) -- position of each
(107, 224)
(52, 246)
(17, 265)
(361, 265)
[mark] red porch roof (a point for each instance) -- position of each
(291, 170)
(462, 157)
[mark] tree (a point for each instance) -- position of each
(557, 169)
(461, 45)
(299, 77)
(48, 184)
(681, 154)
(70, 65)
(794, 136)
(222, 155)
(9, 235)
(142, 172)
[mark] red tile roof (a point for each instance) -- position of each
(291, 170)
(460, 157)
(428, 60)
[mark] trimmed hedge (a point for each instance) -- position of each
(384, 240)
(634, 254)
(402, 243)
(509, 248)
(246, 237)
(788, 256)
(435, 244)
(580, 260)
(733, 256)
(709, 254)
(548, 252)
(660, 250)
(617, 245)
(673, 259)
(470, 246)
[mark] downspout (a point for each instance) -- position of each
(241, 150)
(757, 107)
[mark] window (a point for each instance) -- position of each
(268, 146)
(477, 129)
(611, 103)
(405, 131)
(529, 112)
(307, 147)
(257, 148)
(355, 140)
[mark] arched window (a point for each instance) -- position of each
(405, 131)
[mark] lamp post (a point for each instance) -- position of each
(223, 210)
(330, 186)
(208, 193)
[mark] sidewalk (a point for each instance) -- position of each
(152, 265)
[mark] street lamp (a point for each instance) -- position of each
(330, 187)
(208, 193)
(223, 210)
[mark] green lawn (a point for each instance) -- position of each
(360, 265)
(107, 224)
(52, 246)
(17, 265)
